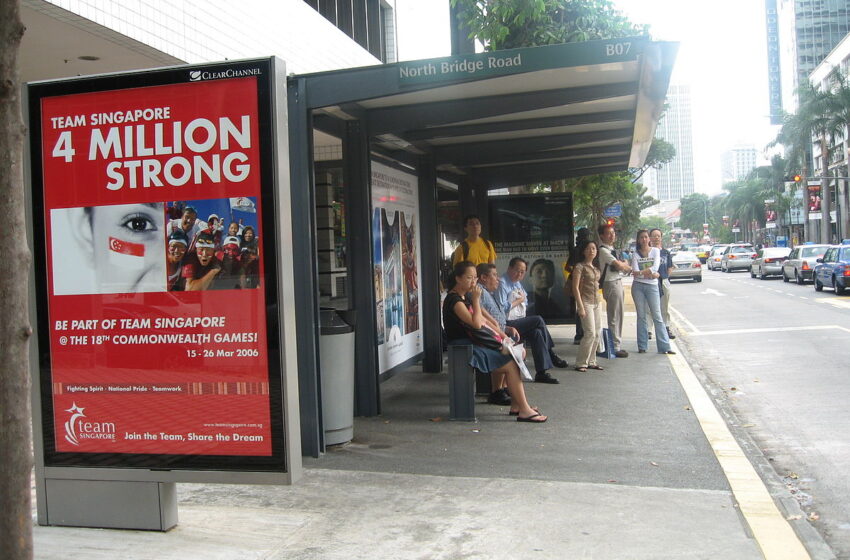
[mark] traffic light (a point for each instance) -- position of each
(797, 178)
(611, 222)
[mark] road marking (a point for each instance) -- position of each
(682, 319)
(712, 292)
(842, 303)
(772, 329)
(803, 297)
(771, 531)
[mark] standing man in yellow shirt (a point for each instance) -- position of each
(474, 248)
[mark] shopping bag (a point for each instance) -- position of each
(606, 345)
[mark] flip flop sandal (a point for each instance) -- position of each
(516, 412)
(531, 419)
(594, 366)
(581, 369)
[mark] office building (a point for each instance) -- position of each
(807, 31)
(675, 179)
(736, 163)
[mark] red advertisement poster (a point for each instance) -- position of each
(155, 270)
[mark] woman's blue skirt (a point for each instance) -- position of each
(484, 359)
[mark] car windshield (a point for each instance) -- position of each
(684, 257)
(741, 250)
(813, 252)
(845, 255)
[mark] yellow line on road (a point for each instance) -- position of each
(774, 535)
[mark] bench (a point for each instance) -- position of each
(464, 383)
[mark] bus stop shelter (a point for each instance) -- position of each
(479, 121)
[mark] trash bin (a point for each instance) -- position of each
(336, 352)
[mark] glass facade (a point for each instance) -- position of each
(371, 23)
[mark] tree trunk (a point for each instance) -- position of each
(15, 331)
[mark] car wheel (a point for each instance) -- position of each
(839, 288)
(762, 275)
(752, 273)
(797, 278)
(818, 285)
(698, 279)
(784, 278)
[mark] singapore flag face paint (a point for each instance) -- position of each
(126, 254)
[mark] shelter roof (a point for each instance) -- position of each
(509, 117)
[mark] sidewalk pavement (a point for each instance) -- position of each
(622, 469)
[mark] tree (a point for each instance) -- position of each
(694, 212)
(15, 332)
(799, 131)
(508, 24)
(661, 152)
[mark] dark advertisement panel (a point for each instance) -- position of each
(538, 228)
(155, 234)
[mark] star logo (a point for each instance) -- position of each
(71, 424)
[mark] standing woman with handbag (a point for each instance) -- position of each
(463, 319)
(585, 282)
(645, 263)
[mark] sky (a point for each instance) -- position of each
(722, 56)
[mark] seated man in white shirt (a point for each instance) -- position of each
(532, 329)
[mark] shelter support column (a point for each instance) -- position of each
(358, 197)
(304, 253)
(432, 362)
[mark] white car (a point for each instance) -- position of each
(687, 266)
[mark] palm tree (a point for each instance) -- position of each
(798, 133)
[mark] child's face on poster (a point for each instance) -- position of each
(127, 245)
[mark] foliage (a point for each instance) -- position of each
(592, 194)
(694, 211)
(661, 152)
(652, 222)
(508, 24)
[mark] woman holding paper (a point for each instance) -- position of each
(462, 311)
(645, 263)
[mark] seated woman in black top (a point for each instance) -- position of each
(461, 308)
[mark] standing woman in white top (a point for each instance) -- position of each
(645, 263)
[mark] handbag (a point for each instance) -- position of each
(485, 337)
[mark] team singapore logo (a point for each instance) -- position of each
(77, 427)
(198, 75)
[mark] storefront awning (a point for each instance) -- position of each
(509, 117)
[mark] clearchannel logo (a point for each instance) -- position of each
(199, 75)
(79, 427)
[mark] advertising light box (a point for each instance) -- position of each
(155, 228)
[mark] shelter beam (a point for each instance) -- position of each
(306, 292)
(358, 198)
(429, 258)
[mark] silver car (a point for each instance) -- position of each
(768, 262)
(801, 262)
(687, 266)
(737, 255)
(714, 256)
